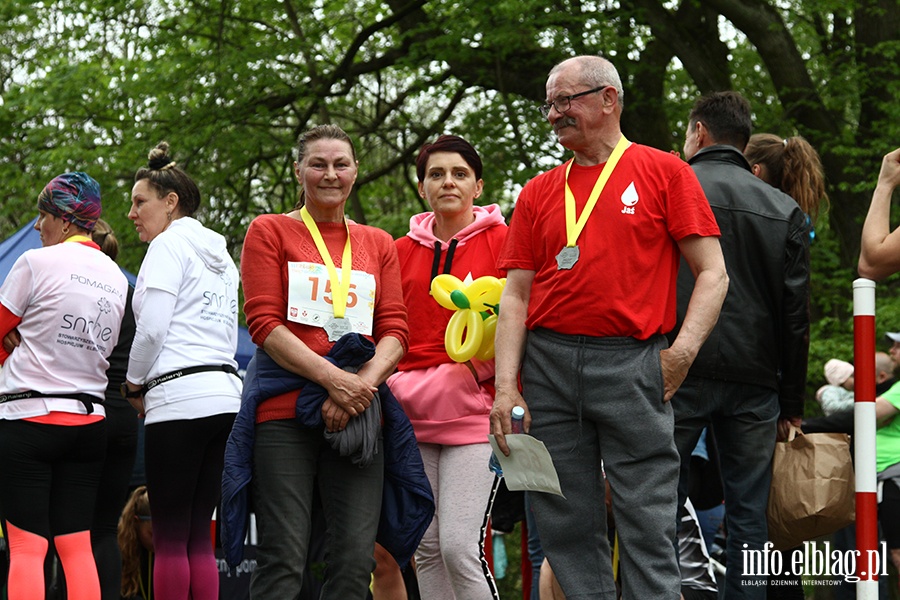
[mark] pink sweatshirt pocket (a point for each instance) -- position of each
(444, 403)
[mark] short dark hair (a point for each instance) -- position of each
(726, 115)
(449, 143)
(164, 176)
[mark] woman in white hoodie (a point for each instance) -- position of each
(182, 373)
(449, 403)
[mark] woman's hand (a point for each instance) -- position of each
(11, 341)
(335, 417)
(136, 402)
(138, 405)
(890, 170)
(349, 391)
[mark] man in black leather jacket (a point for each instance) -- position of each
(748, 379)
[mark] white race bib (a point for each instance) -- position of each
(309, 297)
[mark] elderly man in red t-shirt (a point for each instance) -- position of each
(592, 257)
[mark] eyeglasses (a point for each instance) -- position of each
(564, 103)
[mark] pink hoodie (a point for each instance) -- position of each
(445, 402)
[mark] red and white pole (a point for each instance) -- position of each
(864, 438)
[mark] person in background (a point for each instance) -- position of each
(793, 166)
(315, 281)
(893, 338)
(837, 394)
(135, 541)
(592, 256)
(841, 421)
(748, 381)
(181, 372)
(388, 582)
(65, 301)
(887, 441)
(449, 402)
(879, 254)
(121, 442)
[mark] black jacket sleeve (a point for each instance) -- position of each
(795, 319)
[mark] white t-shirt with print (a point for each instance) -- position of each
(71, 298)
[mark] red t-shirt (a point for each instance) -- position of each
(623, 284)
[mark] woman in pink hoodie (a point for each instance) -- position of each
(449, 403)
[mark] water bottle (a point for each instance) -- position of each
(500, 558)
(518, 419)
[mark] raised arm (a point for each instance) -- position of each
(880, 248)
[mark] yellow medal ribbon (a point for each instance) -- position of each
(575, 226)
(340, 286)
(78, 238)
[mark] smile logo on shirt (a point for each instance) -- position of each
(629, 199)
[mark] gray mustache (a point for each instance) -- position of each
(564, 122)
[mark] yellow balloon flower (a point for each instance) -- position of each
(470, 331)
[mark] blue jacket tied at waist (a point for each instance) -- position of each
(407, 505)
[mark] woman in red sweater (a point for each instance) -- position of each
(301, 297)
(447, 402)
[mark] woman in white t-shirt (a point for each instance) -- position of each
(61, 310)
(182, 373)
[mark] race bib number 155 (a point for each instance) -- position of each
(310, 297)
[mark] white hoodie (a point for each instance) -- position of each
(186, 310)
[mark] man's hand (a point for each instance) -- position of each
(501, 420)
(784, 427)
(675, 365)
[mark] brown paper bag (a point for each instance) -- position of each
(812, 491)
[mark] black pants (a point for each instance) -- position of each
(121, 448)
(49, 475)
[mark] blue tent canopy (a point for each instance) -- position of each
(28, 238)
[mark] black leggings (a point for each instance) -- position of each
(184, 461)
(49, 475)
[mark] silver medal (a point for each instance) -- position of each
(567, 257)
(336, 328)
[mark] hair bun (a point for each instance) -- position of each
(159, 157)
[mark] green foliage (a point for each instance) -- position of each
(510, 587)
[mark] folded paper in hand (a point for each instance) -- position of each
(528, 466)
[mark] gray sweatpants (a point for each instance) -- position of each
(602, 398)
